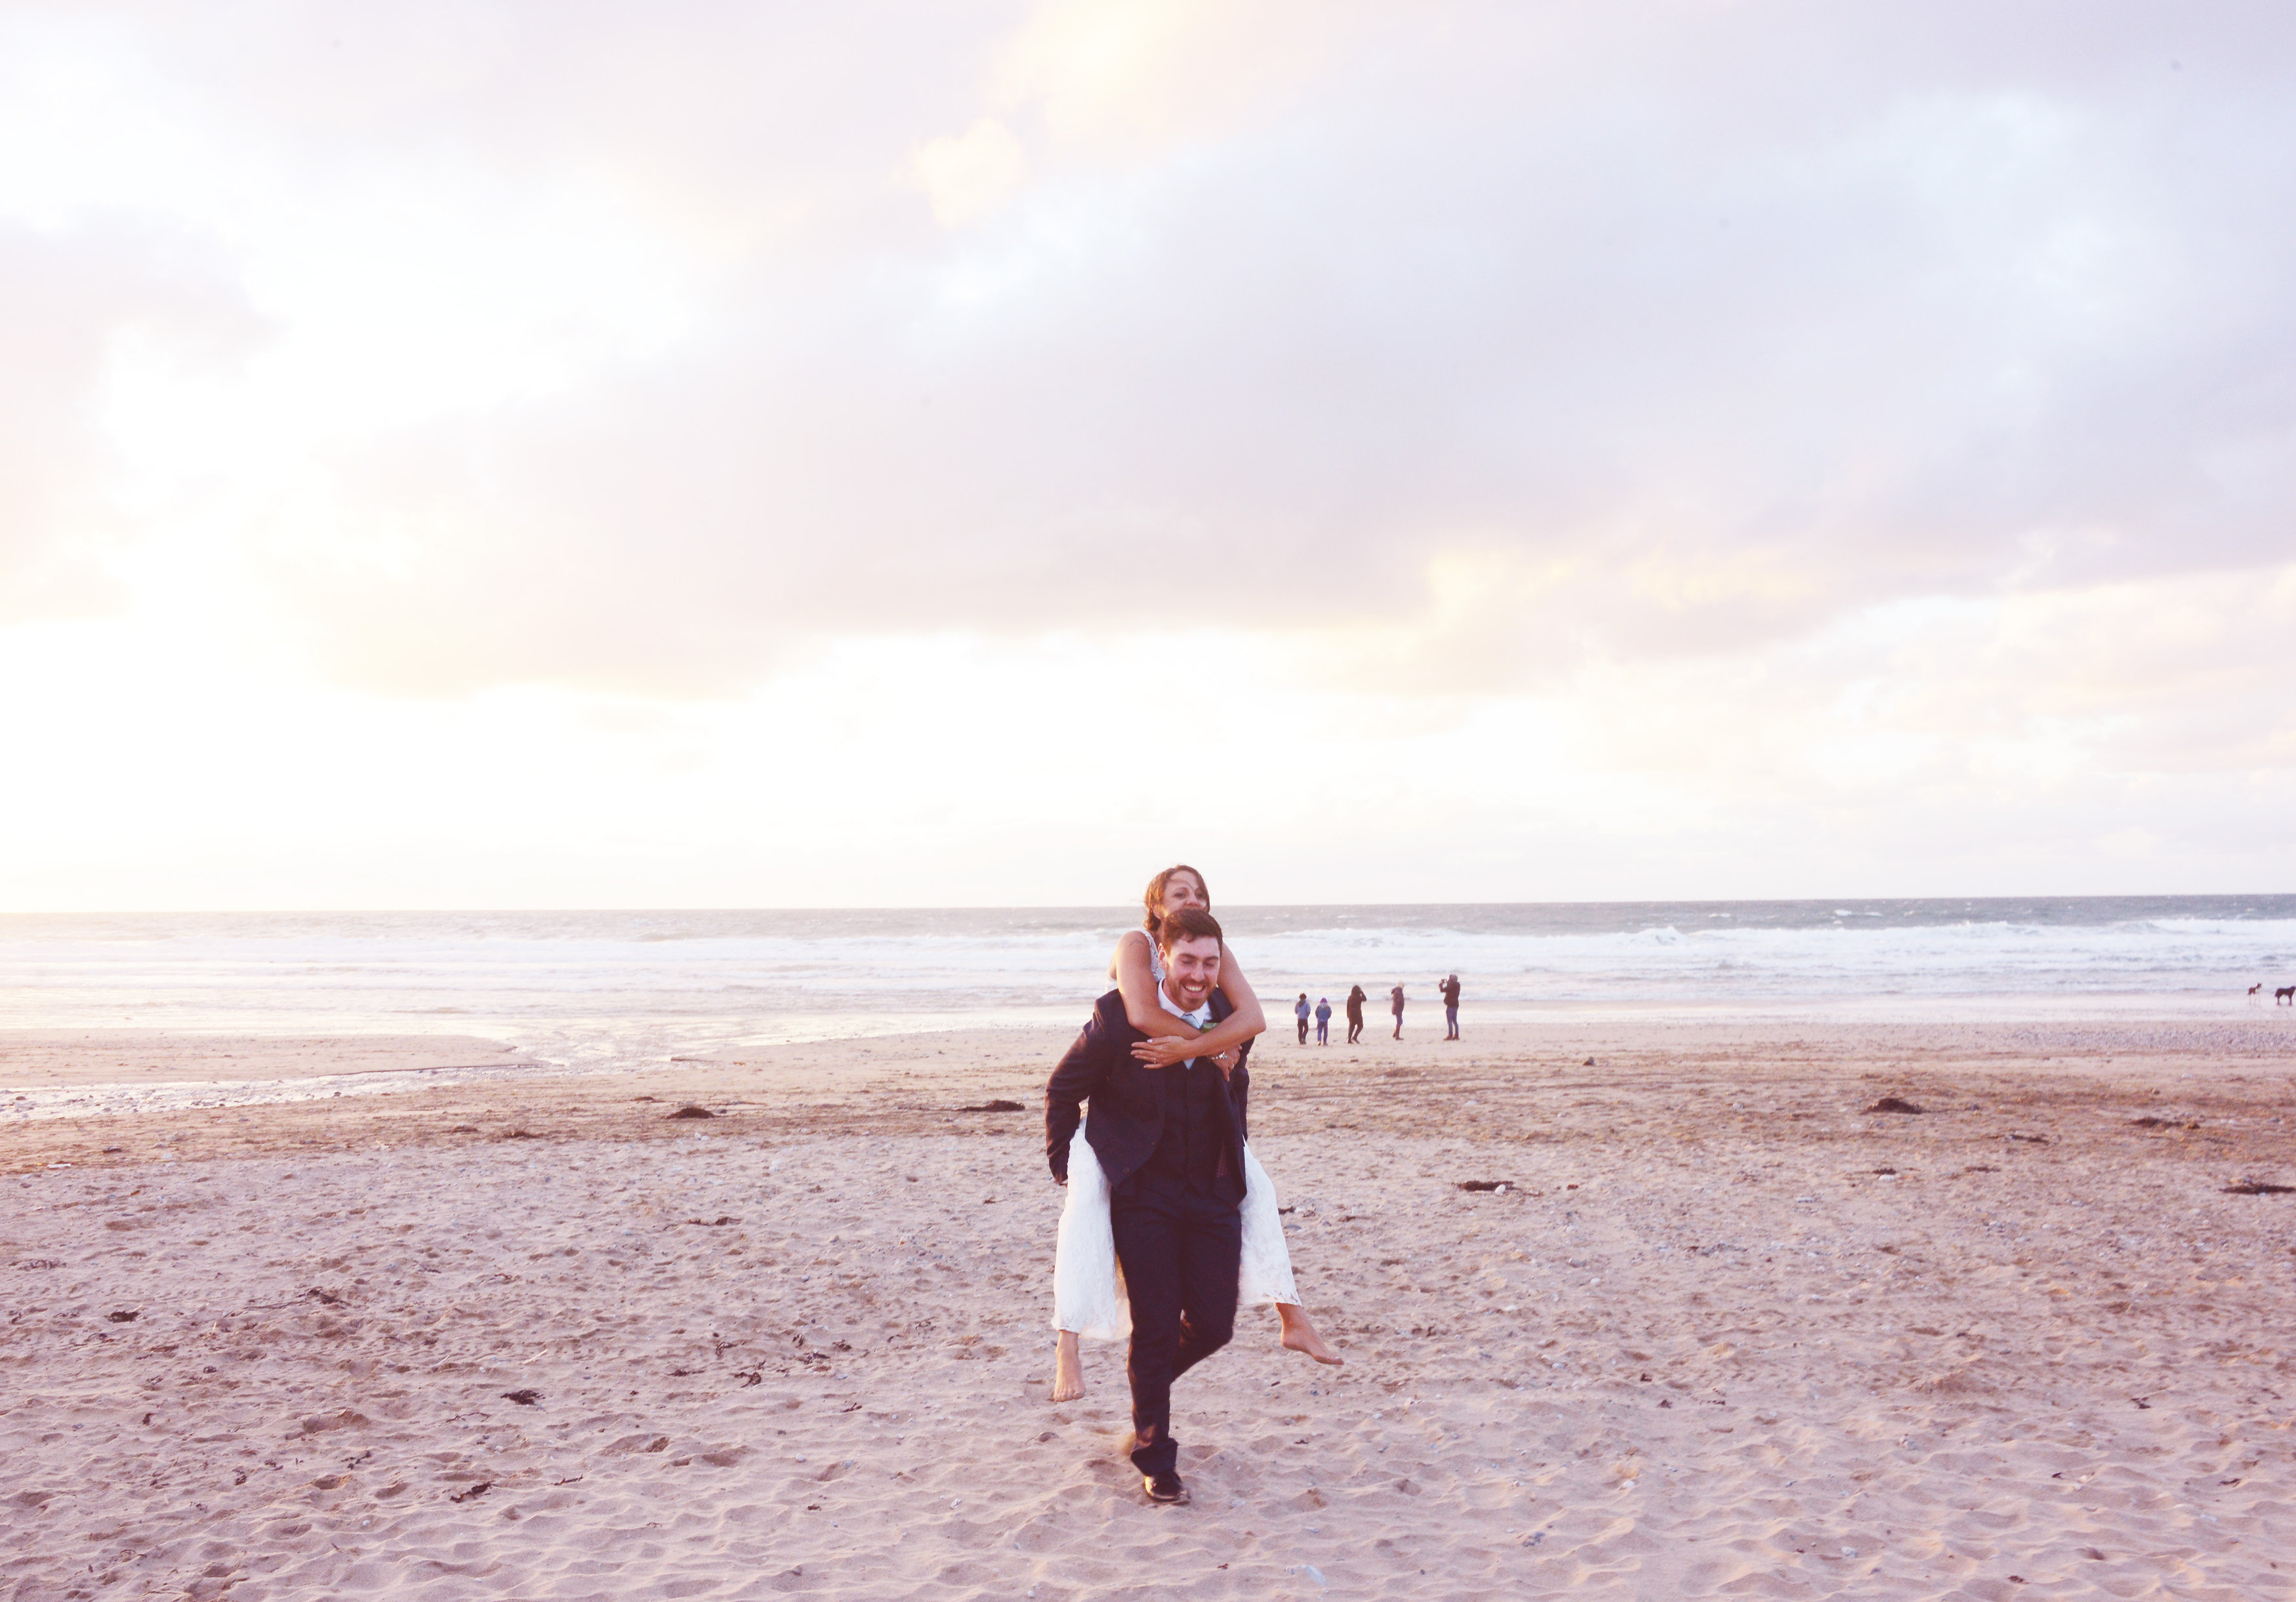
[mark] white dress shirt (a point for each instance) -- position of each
(1202, 1017)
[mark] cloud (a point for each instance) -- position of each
(1129, 80)
(654, 357)
(970, 176)
(72, 304)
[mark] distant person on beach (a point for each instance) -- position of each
(1085, 1296)
(1450, 990)
(1322, 1019)
(1395, 999)
(1300, 1013)
(1356, 999)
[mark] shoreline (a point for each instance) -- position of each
(120, 1066)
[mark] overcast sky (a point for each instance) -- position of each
(929, 453)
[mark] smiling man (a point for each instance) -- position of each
(1171, 1141)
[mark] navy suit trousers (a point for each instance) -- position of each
(1181, 1250)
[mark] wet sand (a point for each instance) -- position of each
(1723, 1332)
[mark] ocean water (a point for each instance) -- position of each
(628, 989)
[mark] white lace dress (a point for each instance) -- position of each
(1087, 1281)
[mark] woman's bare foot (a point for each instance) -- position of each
(1299, 1333)
(1068, 1369)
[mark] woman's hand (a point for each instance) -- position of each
(1227, 1060)
(1164, 1051)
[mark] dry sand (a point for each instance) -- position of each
(1725, 1333)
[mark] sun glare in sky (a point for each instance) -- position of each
(904, 454)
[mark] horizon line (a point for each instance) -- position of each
(1049, 906)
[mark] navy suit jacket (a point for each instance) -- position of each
(1126, 1116)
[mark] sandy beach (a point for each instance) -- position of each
(1723, 1331)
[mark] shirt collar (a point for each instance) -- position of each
(1200, 1017)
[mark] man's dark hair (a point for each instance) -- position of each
(1189, 922)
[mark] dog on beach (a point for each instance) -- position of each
(2286, 992)
(2256, 987)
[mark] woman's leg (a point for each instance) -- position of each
(1264, 1271)
(1086, 1296)
(1301, 1334)
(1068, 1369)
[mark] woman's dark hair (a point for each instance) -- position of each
(1190, 923)
(1154, 899)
